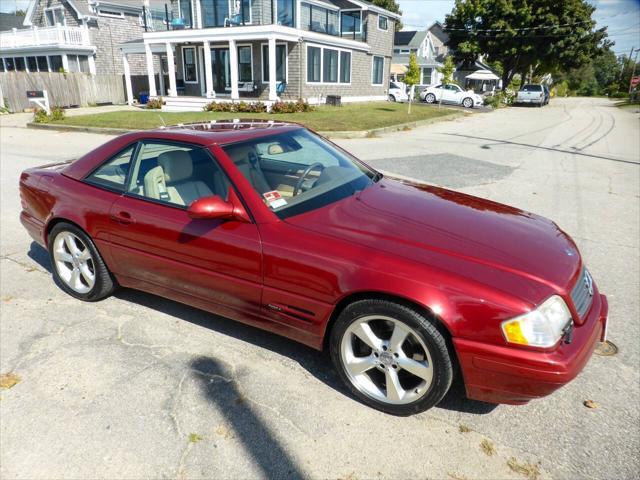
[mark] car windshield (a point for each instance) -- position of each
(532, 88)
(297, 171)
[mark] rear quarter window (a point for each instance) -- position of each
(112, 174)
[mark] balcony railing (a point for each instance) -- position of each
(35, 37)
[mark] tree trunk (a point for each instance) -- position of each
(410, 99)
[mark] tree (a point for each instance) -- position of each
(447, 69)
(526, 37)
(600, 76)
(392, 6)
(412, 76)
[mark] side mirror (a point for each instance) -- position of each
(211, 207)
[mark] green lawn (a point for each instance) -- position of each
(360, 116)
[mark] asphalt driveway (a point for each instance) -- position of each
(138, 386)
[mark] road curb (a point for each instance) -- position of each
(338, 134)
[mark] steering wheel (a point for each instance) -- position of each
(304, 174)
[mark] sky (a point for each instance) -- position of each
(621, 16)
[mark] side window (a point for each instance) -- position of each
(113, 173)
(176, 174)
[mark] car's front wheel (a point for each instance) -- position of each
(77, 265)
(467, 102)
(391, 357)
(430, 98)
(392, 98)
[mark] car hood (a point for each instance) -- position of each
(430, 224)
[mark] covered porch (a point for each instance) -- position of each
(243, 63)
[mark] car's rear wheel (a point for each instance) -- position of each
(391, 357)
(77, 265)
(430, 98)
(392, 98)
(467, 102)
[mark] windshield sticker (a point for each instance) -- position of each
(274, 199)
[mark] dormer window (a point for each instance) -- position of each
(55, 16)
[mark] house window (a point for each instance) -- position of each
(110, 13)
(20, 65)
(43, 66)
(285, 10)
(32, 65)
(186, 13)
(54, 16)
(189, 69)
(245, 70)
(2, 65)
(377, 71)
(72, 61)
(323, 20)
(426, 76)
(383, 23)
(350, 22)
(345, 67)
(83, 63)
(55, 61)
(313, 64)
(281, 63)
(9, 64)
(330, 66)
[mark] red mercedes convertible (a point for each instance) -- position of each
(269, 224)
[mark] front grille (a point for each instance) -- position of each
(582, 293)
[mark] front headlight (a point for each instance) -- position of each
(542, 327)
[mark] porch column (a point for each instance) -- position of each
(273, 95)
(208, 71)
(65, 62)
(171, 67)
(150, 75)
(127, 78)
(160, 75)
(233, 64)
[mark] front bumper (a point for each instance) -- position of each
(501, 374)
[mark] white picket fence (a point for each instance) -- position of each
(64, 89)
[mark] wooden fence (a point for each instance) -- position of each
(64, 89)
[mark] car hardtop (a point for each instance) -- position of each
(204, 134)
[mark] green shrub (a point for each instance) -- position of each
(291, 107)
(40, 115)
(236, 107)
(562, 89)
(155, 103)
(619, 95)
(57, 113)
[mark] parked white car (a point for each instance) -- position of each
(398, 92)
(451, 93)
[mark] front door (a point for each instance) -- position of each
(221, 73)
(154, 241)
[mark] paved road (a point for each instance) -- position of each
(137, 386)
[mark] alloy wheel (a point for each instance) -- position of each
(467, 103)
(74, 262)
(386, 360)
(430, 98)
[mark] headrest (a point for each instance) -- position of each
(243, 154)
(177, 165)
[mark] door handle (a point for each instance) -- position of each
(123, 218)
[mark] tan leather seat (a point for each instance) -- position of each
(246, 159)
(171, 179)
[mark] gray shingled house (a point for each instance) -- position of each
(74, 36)
(267, 50)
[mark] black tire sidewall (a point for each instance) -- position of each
(392, 98)
(465, 100)
(104, 284)
(430, 98)
(440, 356)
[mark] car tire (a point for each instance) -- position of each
(392, 98)
(420, 365)
(467, 102)
(430, 98)
(76, 264)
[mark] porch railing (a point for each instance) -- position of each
(33, 37)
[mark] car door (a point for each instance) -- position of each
(450, 94)
(155, 242)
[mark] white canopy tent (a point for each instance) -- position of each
(482, 75)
